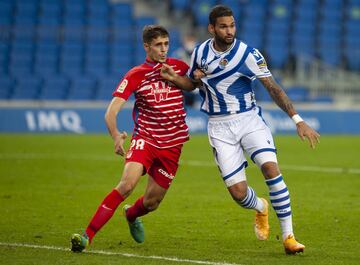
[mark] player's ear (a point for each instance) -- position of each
(146, 46)
(211, 29)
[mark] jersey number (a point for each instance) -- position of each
(137, 144)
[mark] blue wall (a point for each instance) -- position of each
(91, 120)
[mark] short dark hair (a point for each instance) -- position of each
(219, 11)
(151, 32)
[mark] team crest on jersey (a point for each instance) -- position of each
(122, 86)
(160, 90)
(223, 63)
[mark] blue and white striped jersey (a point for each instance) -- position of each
(227, 84)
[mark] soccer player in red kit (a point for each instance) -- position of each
(159, 133)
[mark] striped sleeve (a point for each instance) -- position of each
(257, 64)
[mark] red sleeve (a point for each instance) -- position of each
(126, 86)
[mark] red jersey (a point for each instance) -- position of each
(158, 113)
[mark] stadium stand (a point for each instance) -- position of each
(66, 45)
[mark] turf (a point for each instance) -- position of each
(50, 186)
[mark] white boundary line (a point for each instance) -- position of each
(29, 156)
(109, 253)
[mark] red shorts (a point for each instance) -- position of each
(160, 164)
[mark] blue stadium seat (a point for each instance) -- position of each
(26, 88)
(6, 86)
(123, 34)
(73, 33)
(277, 56)
(4, 52)
(54, 88)
(201, 9)
(303, 45)
(72, 48)
(298, 93)
(24, 33)
(353, 58)
(330, 55)
(26, 8)
(71, 66)
(97, 34)
(106, 87)
(21, 60)
(48, 33)
(122, 9)
(49, 20)
(46, 64)
(140, 22)
(51, 8)
(82, 88)
(180, 5)
(97, 49)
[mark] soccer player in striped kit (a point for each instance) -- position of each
(226, 67)
(159, 133)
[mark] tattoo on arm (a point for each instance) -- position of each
(278, 95)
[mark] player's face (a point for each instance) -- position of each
(157, 50)
(224, 30)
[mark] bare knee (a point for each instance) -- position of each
(151, 204)
(238, 191)
(125, 188)
(270, 170)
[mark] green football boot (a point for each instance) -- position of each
(79, 242)
(136, 227)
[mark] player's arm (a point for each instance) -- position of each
(113, 109)
(283, 101)
(183, 82)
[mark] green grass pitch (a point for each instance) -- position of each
(50, 186)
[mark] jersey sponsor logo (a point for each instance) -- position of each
(122, 86)
(160, 91)
(204, 66)
(256, 55)
(223, 63)
(163, 172)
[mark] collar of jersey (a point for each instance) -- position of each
(217, 53)
(151, 63)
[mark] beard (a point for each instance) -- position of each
(224, 41)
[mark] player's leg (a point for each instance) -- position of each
(161, 174)
(261, 148)
(232, 163)
(131, 175)
(280, 200)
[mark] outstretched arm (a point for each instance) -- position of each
(183, 82)
(283, 101)
(110, 118)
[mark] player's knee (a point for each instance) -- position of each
(152, 204)
(270, 170)
(125, 188)
(238, 191)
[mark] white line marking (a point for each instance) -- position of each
(108, 253)
(43, 156)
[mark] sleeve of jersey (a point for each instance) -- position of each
(193, 64)
(257, 64)
(125, 87)
(183, 67)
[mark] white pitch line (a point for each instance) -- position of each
(195, 163)
(109, 253)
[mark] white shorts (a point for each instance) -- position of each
(231, 136)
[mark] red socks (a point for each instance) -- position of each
(104, 213)
(138, 209)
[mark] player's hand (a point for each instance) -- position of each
(198, 74)
(119, 143)
(167, 72)
(305, 131)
